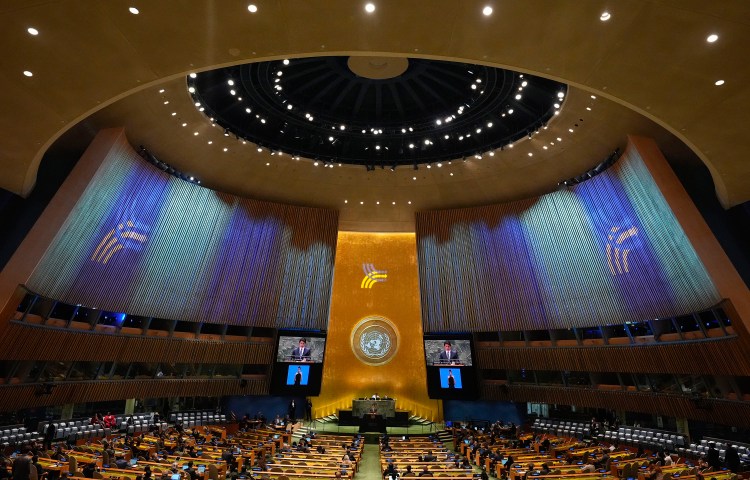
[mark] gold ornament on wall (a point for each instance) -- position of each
(375, 340)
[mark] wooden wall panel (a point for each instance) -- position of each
(17, 397)
(713, 357)
(20, 341)
(722, 412)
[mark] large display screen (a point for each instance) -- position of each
(448, 352)
(298, 369)
(300, 348)
(450, 366)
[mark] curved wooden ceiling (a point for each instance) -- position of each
(649, 66)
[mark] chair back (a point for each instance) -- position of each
(213, 472)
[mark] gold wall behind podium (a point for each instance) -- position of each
(391, 290)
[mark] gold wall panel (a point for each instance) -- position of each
(392, 292)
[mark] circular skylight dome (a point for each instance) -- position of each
(375, 111)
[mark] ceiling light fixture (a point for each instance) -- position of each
(134, 10)
(719, 83)
(710, 39)
(32, 31)
(370, 7)
(252, 8)
(605, 16)
(487, 11)
(28, 73)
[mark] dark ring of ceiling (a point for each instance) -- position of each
(433, 111)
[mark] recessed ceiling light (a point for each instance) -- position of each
(184, 124)
(451, 174)
(588, 108)
(174, 113)
(191, 89)
(161, 91)
(393, 203)
(710, 39)
(286, 61)
(530, 154)
(133, 10)
(346, 201)
(718, 83)
(377, 203)
(370, 7)
(518, 97)
(193, 75)
(487, 11)
(605, 16)
(195, 133)
(225, 149)
(593, 96)
(570, 130)
(252, 8)
(559, 139)
(361, 203)
(413, 178)
(32, 31)
(28, 73)
(409, 202)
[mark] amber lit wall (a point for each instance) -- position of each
(397, 298)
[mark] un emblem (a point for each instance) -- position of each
(374, 340)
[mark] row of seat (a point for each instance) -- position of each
(563, 428)
(649, 438)
(20, 439)
(192, 419)
(698, 449)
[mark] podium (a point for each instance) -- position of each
(372, 422)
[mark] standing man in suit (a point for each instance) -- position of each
(293, 411)
(302, 353)
(448, 355)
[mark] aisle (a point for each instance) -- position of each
(369, 467)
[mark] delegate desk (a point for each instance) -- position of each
(386, 408)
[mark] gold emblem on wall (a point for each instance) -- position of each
(375, 340)
(617, 256)
(372, 275)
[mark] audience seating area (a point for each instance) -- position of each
(17, 435)
(648, 437)
(411, 452)
(563, 428)
(197, 418)
(698, 449)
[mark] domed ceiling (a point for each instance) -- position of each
(375, 111)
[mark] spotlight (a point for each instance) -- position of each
(226, 132)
